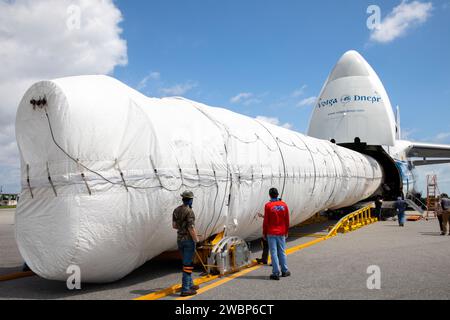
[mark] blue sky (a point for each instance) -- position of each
(260, 58)
(271, 49)
(280, 53)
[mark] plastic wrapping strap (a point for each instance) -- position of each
(242, 140)
(97, 173)
(281, 154)
(284, 166)
(156, 172)
(229, 193)
(214, 205)
(292, 144)
(51, 181)
(83, 176)
(239, 175)
(313, 161)
(181, 175)
(121, 175)
(198, 174)
(266, 145)
(215, 175)
(28, 181)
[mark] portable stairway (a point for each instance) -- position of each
(432, 193)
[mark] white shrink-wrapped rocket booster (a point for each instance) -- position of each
(103, 167)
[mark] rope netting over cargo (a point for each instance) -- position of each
(283, 174)
(128, 157)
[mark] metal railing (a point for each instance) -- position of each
(353, 221)
(418, 201)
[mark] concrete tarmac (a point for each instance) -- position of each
(10, 257)
(413, 261)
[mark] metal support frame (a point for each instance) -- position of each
(224, 255)
(229, 255)
(353, 221)
(432, 194)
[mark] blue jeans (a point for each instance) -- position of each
(378, 213)
(401, 217)
(277, 248)
(187, 249)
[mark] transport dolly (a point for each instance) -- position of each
(224, 255)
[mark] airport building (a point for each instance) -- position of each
(8, 199)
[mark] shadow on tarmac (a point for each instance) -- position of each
(39, 288)
(431, 234)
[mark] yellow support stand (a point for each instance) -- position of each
(353, 221)
(205, 248)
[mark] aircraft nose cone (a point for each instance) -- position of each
(353, 105)
(351, 64)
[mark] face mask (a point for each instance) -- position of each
(189, 202)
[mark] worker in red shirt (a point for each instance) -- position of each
(275, 230)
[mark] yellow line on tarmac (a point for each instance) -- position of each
(240, 273)
(174, 289)
(306, 235)
(16, 275)
(222, 281)
(304, 245)
(321, 238)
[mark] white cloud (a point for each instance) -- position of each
(307, 102)
(299, 92)
(287, 126)
(251, 101)
(151, 76)
(179, 89)
(247, 98)
(403, 17)
(407, 133)
(159, 87)
(37, 42)
(274, 121)
(442, 172)
(443, 137)
(241, 96)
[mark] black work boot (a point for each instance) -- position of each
(274, 277)
(260, 261)
(286, 274)
(188, 293)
